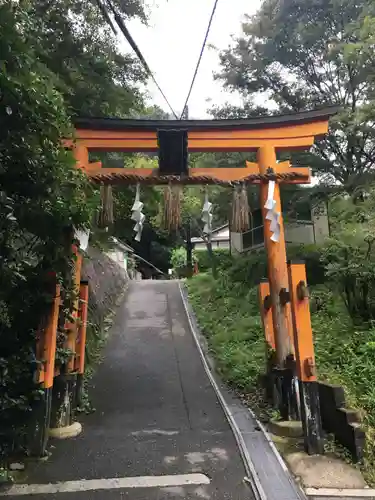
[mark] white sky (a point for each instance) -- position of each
(172, 42)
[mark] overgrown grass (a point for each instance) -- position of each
(228, 316)
(345, 354)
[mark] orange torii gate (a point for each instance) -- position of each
(266, 136)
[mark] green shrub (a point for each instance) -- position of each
(311, 255)
(250, 268)
(179, 260)
(350, 267)
(222, 257)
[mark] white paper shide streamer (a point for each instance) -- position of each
(137, 215)
(207, 216)
(82, 235)
(272, 215)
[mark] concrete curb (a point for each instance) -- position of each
(359, 494)
(262, 491)
(66, 432)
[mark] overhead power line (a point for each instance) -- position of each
(106, 16)
(132, 43)
(200, 57)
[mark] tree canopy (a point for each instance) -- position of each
(75, 42)
(295, 55)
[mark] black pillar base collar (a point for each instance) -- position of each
(311, 418)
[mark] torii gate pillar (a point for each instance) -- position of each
(277, 262)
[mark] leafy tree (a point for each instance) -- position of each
(298, 55)
(153, 112)
(349, 255)
(74, 40)
(42, 195)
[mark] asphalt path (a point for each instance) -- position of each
(157, 416)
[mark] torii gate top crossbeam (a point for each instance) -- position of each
(286, 132)
(282, 132)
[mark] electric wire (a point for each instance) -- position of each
(121, 24)
(200, 57)
(106, 16)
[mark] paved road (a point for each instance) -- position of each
(157, 413)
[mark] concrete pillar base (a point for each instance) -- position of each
(67, 432)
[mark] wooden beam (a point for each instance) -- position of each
(114, 134)
(142, 172)
(194, 145)
(222, 174)
(281, 132)
(81, 154)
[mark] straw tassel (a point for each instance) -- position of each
(240, 210)
(245, 209)
(105, 217)
(172, 207)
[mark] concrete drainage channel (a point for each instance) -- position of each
(267, 474)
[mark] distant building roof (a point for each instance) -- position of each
(215, 235)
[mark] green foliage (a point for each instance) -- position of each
(42, 196)
(348, 255)
(191, 212)
(228, 314)
(222, 257)
(250, 268)
(350, 267)
(228, 318)
(300, 55)
(155, 243)
(56, 58)
(179, 261)
(192, 204)
(178, 258)
(73, 39)
(345, 355)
